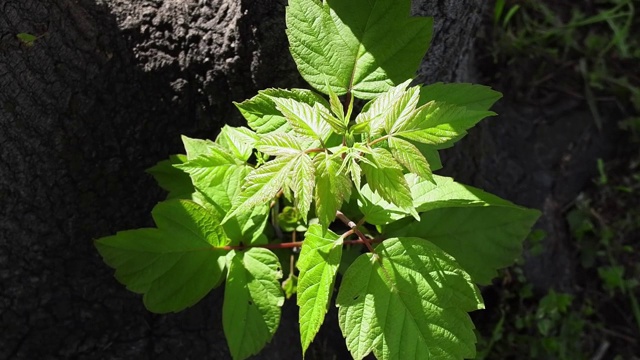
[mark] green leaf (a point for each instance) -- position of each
(279, 144)
(445, 192)
(239, 140)
(318, 263)
(430, 153)
(219, 185)
(219, 180)
(290, 286)
(408, 302)
(175, 265)
(302, 184)
(360, 46)
(175, 181)
(332, 188)
(402, 109)
(261, 112)
(375, 111)
(410, 157)
(198, 147)
(338, 122)
(482, 236)
(252, 301)
(473, 97)
(439, 123)
(387, 179)
(26, 38)
(305, 119)
(262, 185)
(378, 211)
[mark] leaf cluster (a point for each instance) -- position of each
(429, 239)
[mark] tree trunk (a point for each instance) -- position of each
(103, 93)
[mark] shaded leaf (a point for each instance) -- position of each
(332, 188)
(471, 96)
(174, 180)
(252, 301)
(387, 179)
(482, 237)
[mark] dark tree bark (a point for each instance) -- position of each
(103, 94)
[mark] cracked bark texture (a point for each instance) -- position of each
(103, 94)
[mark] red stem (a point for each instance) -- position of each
(290, 245)
(354, 227)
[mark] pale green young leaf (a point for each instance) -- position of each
(278, 144)
(438, 123)
(198, 147)
(410, 157)
(410, 301)
(356, 46)
(302, 184)
(304, 119)
(402, 110)
(471, 96)
(332, 187)
(336, 124)
(239, 140)
(374, 112)
(262, 185)
(175, 181)
(174, 265)
(318, 263)
(337, 109)
(261, 112)
(387, 179)
(252, 301)
(353, 157)
(481, 238)
(219, 186)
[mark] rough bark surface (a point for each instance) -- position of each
(104, 93)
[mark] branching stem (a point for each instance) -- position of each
(353, 226)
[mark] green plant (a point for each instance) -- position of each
(28, 39)
(593, 38)
(406, 297)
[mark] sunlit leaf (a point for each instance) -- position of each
(410, 301)
(318, 264)
(174, 265)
